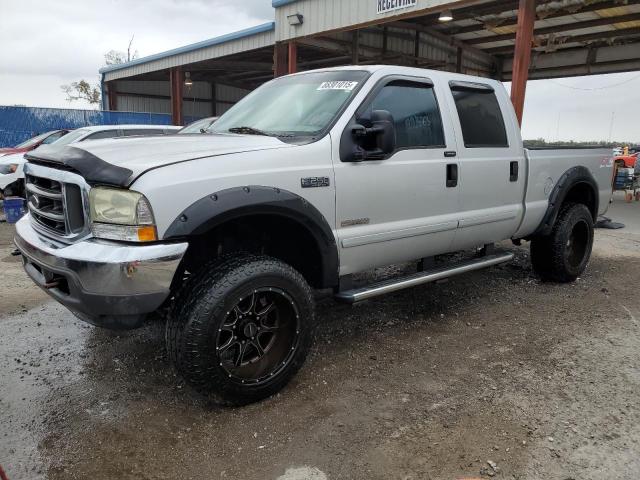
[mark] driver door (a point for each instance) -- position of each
(404, 206)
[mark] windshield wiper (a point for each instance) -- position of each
(248, 131)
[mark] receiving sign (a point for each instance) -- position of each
(385, 6)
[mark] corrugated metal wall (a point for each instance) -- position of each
(325, 15)
(144, 96)
(433, 52)
(243, 44)
(226, 96)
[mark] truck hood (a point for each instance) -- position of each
(120, 161)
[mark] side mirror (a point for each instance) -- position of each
(385, 130)
(376, 141)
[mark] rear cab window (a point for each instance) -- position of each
(481, 119)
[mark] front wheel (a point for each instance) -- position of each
(241, 328)
(563, 255)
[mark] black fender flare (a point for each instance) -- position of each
(229, 204)
(574, 176)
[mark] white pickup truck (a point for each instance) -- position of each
(308, 180)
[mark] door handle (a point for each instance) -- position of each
(450, 153)
(452, 175)
(514, 168)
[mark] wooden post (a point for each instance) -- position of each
(175, 79)
(293, 57)
(280, 60)
(522, 54)
(459, 60)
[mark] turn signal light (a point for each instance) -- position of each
(147, 234)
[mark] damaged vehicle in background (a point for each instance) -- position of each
(11, 166)
(308, 180)
(35, 142)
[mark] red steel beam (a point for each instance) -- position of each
(112, 96)
(175, 78)
(280, 64)
(522, 54)
(293, 57)
(598, 22)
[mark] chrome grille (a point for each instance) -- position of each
(57, 201)
(46, 203)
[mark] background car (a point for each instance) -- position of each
(11, 166)
(35, 142)
(199, 126)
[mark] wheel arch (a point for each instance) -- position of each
(289, 226)
(575, 185)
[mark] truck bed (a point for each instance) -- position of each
(544, 168)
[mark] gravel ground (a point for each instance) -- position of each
(490, 374)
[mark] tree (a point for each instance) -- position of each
(116, 57)
(83, 90)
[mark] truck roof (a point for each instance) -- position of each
(415, 71)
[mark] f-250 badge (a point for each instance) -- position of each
(312, 182)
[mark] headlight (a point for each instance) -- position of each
(8, 168)
(118, 214)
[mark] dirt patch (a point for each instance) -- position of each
(18, 294)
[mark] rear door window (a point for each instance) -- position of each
(480, 116)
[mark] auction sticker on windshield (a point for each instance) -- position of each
(338, 85)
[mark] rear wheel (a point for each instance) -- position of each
(241, 328)
(563, 255)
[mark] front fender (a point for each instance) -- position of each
(220, 207)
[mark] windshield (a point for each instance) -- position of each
(198, 125)
(299, 105)
(33, 141)
(71, 137)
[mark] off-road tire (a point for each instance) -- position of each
(563, 255)
(202, 307)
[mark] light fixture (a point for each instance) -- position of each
(187, 79)
(295, 19)
(445, 16)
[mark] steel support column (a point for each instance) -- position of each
(112, 96)
(293, 57)
(280, 64)
(522, 54)
(175, 79)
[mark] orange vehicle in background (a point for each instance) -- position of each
(627, 159)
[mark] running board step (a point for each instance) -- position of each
(395, 284)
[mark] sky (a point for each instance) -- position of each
(45, 44)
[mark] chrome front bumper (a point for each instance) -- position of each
(105, 283)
